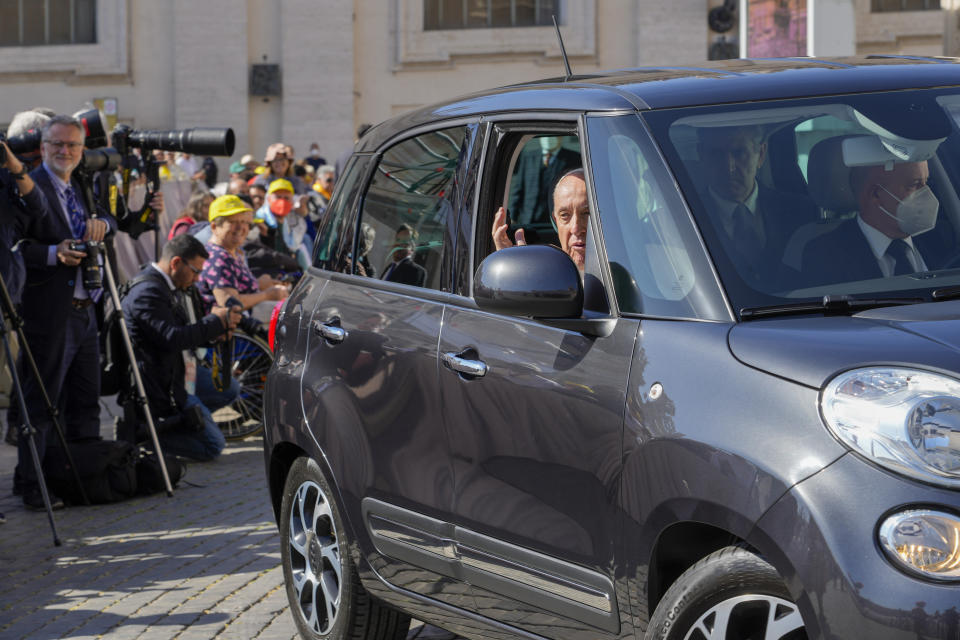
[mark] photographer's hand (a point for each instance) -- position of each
(156, 203)
(96, 230)
(68, 256)
(12, 164)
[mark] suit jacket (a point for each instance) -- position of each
(531, 190)
(843, 255)
(14, 223)
(49, 289)
(160, 331)
(407, 272)
(780, 214)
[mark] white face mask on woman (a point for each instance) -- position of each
(917, 213)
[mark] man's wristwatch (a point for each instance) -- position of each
(23, 172)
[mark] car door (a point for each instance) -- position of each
(536, 416)
(370, 382)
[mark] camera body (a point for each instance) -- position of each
(90, 265)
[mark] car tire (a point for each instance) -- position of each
(732, 593)
(323, 588)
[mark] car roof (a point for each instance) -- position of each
(727, 81)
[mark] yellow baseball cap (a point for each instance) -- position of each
(260, 170)
(227, 205)
(280, 185)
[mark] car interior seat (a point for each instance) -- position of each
(829, 185)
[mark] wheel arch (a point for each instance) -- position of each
(282, 457)
(679, 547)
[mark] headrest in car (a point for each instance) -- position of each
(828, 178)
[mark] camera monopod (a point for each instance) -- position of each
(87, 193)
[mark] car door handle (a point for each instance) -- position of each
(330, 330)
(466, 366)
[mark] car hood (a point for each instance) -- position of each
(811, 350)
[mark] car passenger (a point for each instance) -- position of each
(894, 206)
(753, 221)
(571, 216)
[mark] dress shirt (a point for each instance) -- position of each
(879, 241)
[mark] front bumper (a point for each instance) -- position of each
(822, 537)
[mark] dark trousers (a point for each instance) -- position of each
(68, 358)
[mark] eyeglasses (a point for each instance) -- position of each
(57, 144)
(196, 271)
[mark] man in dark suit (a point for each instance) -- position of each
(155, 309)
(752, 221)
(895, 206)
(401, 267)
(539, 167)
(59, 320)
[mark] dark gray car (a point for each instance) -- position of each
(712, 392)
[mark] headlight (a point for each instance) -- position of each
(903, 419)
(924, 542)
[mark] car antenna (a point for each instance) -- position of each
(563, 50)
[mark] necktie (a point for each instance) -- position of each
(78, 221)
(746, 237)
(546, 159)
(898, 250)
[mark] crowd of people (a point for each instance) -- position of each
(225, 253)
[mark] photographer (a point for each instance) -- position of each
(57, 306)
(22, 205)
(164, 338)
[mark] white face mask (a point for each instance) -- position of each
(254, 234)
(917, 213)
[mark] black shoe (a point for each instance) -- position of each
(33, 501)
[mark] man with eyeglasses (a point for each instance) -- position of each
(58, 311)
(166, 331)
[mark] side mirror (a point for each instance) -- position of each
(536, 281)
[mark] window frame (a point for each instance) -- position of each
(23, 13)
(448, 260)
(506, 131)
(108, 56)
(489, 18)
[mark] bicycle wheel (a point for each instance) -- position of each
(252, 359)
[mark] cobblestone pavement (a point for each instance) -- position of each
(202, 564)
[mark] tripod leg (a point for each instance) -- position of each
(141, 392)
(28, 432)
(11, 314)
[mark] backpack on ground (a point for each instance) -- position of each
(107, 469)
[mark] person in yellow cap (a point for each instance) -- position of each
(279, 162)
(284, 214)
(226, 273)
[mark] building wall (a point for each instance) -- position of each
(176, 63)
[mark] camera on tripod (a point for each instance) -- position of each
(90, 265)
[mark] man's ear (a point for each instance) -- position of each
(763, 154)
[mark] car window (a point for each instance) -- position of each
(333, 238)
(843, 195)
(406, 209)
(539, 163)
(655, 258)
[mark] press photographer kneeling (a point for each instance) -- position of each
(158, 312)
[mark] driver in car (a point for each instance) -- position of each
(895, 206)
(571, 216)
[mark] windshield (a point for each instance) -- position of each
(841, 196)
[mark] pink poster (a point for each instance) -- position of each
(776, 28)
